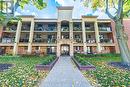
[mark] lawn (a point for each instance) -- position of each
(23, 73)
(105, 75)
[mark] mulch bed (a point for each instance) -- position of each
(120, 65)
(4, 67)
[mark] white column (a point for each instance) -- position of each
(84, 37)
(71, 38)
(71, 30)
(31, 37)
(58, 38)
(97, 36)
(17, 37)
(58, 30)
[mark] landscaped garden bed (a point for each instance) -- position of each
(106, 75)
(47, 64)
(5, 66)
(23, 72)
(82, 64)
(120, 65)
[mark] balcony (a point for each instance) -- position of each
(77, 29)
(77, 26)
(63, 36)
(89, 28)
(51, 29)
(23, 40)
(78, 40)
(105, 29)
(65, 29)
(7, 40)
(51, 41)
(45, 28)
(106, 40)
(26, 26)
(39, 29)
(41, 40)
(90, 41)
(10, 28)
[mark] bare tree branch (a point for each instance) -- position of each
(107, 11)
(114, 5)
(120, 8)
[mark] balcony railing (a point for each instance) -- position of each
(78, 40)
(105, 29)
(40, 40)
(7, 40)
(45, 29)
(89, 28)
(65, 37)
(77, 29)
(51, 29)
(90, 40)
(25, 28)
(11, 28)
(64, 28)
(23, 40)
(106, 40)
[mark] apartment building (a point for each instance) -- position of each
(61, 36)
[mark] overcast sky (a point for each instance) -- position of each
(51, 11)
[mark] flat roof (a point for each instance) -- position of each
(25, 16)
(86, 16)
(65, 7)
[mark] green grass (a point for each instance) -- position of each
(82, 61)
(105, 75)
(23, 74)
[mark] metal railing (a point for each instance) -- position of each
(105, 29)
(7, 40)
(77, 29)
(45, 28)
(23, 40)
(106, 40)
(90, 40)
(89, 28)
(64, 28)
(40, 40)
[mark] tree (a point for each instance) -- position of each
(122, 9)
(6, 5)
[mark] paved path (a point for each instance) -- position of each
(65, 74)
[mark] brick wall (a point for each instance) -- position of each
(127, 29)
(126, 23)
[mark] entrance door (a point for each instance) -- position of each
(65, 49)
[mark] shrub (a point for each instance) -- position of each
(48, 60)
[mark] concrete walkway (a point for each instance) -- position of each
(65, 74)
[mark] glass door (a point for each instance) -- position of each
(65, 50)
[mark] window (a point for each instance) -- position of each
(103, 48)
(37, 48)
(77, 48)
(11, 48)
(89, 36)
(25, 48)
(89, 50)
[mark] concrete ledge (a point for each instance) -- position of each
(40, 67)
(81, 67)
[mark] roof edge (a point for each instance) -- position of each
(65, 7)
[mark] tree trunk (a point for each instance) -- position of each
(1, 28)
(122, 42)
